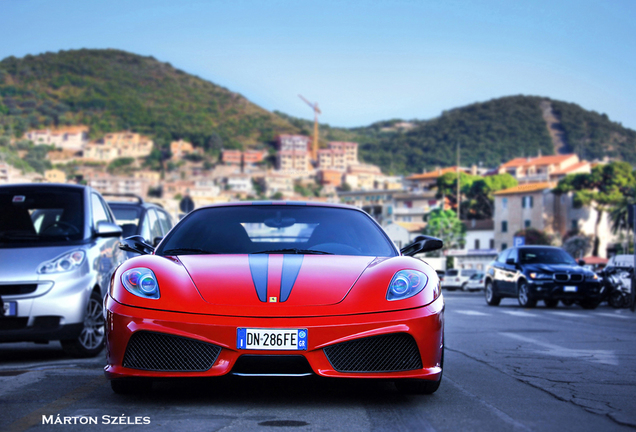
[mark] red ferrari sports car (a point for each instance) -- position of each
(278, 288)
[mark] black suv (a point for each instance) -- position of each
(547, 273)
(137, 217)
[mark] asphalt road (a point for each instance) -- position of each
(506, 369)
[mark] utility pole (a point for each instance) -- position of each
(458, 196)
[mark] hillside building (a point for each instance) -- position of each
(118, 145)
(66, 137)
(544, 168)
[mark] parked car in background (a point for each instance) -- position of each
(58, 251)
(137, 217)
(475, 282)
(532, 273)
(457, 278)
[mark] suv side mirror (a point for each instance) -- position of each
(510, 261)
(136, 244)
(422, 244)
(581, 262)
(107, 229)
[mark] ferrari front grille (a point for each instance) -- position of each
(386, 353)
(163, 352)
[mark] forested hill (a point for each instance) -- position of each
(112, 90)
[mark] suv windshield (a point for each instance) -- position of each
(451, 272)
(276, 229)
(40, 216)
(545, 256)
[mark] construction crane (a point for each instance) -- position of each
(314, 106)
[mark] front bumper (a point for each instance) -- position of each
(54, 311)
(586, 290)
(424, 324)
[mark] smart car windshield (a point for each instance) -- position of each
(277, 229)
(43, 216)
(545, 256)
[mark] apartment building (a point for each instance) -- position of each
(65, 137)
(108, 184)
(350, 150)
(180, 148)
(118, 145)
(231, 157)
(544, 168)
(294, 143)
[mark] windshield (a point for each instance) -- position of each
(40, 216)
(127, 218)
(277, 229)
(545, 256)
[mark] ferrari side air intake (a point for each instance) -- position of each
(386, 353)
(162, 352)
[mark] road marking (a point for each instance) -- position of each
(569, 314)
(470, 312)
(612, 315)
(595, 356)
(520, 313)
(35, 417)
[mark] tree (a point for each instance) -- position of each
(445, 224)
(578, 246)
(603, 189)
(447, 188)
(534, 236)
(480, 203)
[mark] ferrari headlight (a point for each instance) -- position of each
(141, 282)
(405, 284)
(535, 275)
(64, 263)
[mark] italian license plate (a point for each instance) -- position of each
(10, 309)
(271, 339)
(569, 288)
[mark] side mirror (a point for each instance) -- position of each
(510, 261)
(581, 262)
(422, 244)
(107, 229)
(136, 244)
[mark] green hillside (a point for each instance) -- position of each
(112, 90)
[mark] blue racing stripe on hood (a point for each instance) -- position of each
(258, 267)
(291, 268)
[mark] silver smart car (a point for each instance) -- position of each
(58, 250)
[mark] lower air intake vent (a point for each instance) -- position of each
(387, 353)
(162, 352)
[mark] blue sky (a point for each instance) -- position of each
(362, 61)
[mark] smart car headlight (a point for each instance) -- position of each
(141, 282)
(405, 284)
(64, 263)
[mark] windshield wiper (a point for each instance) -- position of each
(294, 251)
(180, 250)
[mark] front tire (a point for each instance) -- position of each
(491, 298)
(464, 287)
(523, 296)
(90, 342)
(551, 303)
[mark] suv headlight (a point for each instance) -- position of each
(535, 275)
(407, 283)
(141, 282)
(64, 263)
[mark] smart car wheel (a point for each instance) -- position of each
(90, 342)
(523, 296)
(491, 298)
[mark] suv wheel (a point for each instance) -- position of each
(90, 342)
(464, 285)
(550, 303)
(523, 296)
(491, 298)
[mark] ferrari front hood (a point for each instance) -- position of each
(293, 280)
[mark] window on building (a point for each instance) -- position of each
(476, 243)
(504, 226)
(504, 246)
(575, 225)
(526, 223)
(492, 243)
(504, 203)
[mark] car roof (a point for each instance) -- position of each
(44, 186)
(283, 203)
